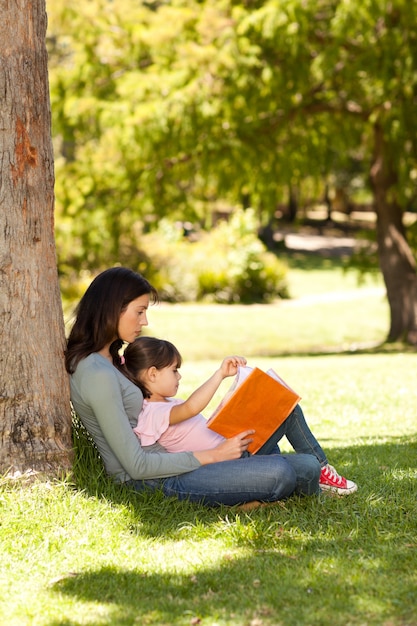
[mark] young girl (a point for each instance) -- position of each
(178, 424)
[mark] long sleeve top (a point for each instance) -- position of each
(108, 405)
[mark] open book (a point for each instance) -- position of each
(256, 400)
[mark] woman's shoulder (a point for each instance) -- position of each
(97, 367)
(95, 361)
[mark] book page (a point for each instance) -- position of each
(273, 374)
(242, 374)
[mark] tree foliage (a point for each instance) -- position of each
(182, 108)
(229, 265)
(167, 108)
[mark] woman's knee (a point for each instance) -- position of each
(307, 469)
(285, 479)
(312, 467)
(309, 483)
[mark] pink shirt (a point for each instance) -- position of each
(190, 435)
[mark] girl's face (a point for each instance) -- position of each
(166, 381)
(133, 318)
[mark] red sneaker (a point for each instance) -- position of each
(330, 480)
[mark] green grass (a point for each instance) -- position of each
(82, 552)
(328, 312)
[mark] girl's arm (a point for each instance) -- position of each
(200, 398)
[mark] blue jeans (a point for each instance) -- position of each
(267, 476)
(296, 430)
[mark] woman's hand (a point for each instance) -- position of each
(231, 364)
(227, 450)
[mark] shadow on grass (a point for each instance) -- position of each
(310, 260)
(355, 350)
(378, 468)
(260, 589)
(325, 561)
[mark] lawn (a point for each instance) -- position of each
(327, 312)
(81, 552)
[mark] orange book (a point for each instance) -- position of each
(257, 400)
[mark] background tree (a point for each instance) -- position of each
(192, 107)
(35, 419)
(344, 74)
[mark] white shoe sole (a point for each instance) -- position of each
(338, 490)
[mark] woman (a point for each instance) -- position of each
(112, 312)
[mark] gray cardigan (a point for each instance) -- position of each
(108, 405)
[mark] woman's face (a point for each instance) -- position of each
(133, 318)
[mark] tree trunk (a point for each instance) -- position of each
(396, 260)
(35, 416)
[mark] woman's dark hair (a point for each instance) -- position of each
(98, 313)
(146, 352)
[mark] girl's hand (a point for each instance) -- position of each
(231, 364)
(228, 450)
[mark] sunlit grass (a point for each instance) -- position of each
(344, 396)
(328, 311)
(94, 554)
(82, 551)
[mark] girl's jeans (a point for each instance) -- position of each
(267, 475)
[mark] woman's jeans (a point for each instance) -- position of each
(267, 476)
(295, 429)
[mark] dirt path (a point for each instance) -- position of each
(324, 245)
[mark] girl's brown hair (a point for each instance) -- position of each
(146, 352)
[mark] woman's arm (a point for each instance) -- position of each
(200, 398)
(228, 450)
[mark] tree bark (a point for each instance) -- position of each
(35, 415)
(396, 260)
